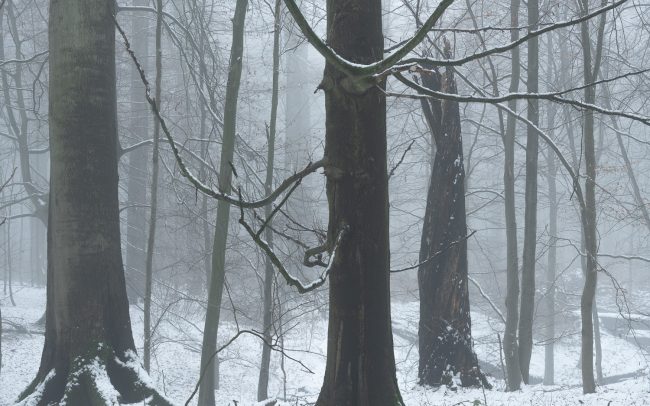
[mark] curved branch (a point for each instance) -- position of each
(356, 69)
(290, 279)
(215, 194)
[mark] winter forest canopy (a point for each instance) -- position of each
(339, 203)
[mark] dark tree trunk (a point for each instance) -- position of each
(445, 325)
(88, 332)
(360, 369)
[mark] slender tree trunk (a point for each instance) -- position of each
(88, 335)
(209, 360)
(9, 270)
(263, 381)
(154, 196)
(591, 65)
(549, 302)
(360, 368)
(588, 216)
(137, 167)
(511, 353)
(297, 100)
(530, 220)
(445, 335)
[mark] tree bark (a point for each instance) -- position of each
(588, 215)
(527, 307)
(511, 353)
(445, 337)
(360, 367)
(263, 381)
(209, 361)
(549, 301)
(154, 196)
(137, 167)
(88, 335)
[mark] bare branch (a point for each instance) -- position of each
(487, 299)
(215, 194)
(290, 279)
(435, 255)
(554, 96)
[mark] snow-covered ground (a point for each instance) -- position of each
(175, 365)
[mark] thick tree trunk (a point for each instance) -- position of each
(209, 360)
(527, 307)
(137, 168)
(445, 335)
(88, 340)
(360, 367)
(511, 353)
(263, 381)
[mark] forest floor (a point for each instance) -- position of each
(176, 358)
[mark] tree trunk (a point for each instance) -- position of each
(137, 167)
(154, 196)
(511, 353)
(588, 222)
(263, 381)
(445, 337)
(549, 333)
(527, 307)
(591, 66)
(88, 338)
(209, 360)
(360, 367)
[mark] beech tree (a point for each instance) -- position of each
(89, 356)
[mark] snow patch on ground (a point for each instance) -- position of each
(175, 362)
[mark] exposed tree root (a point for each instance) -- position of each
(99, 380)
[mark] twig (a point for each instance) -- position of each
(392, 171)
(291, 280)
(435, 255)
(215, 194)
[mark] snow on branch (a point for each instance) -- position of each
(290, 279)
(551, 96)
(356, 69)
(382, 67)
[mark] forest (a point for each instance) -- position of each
(324, 202)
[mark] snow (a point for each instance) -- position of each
(97, 371)
(176, 358)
